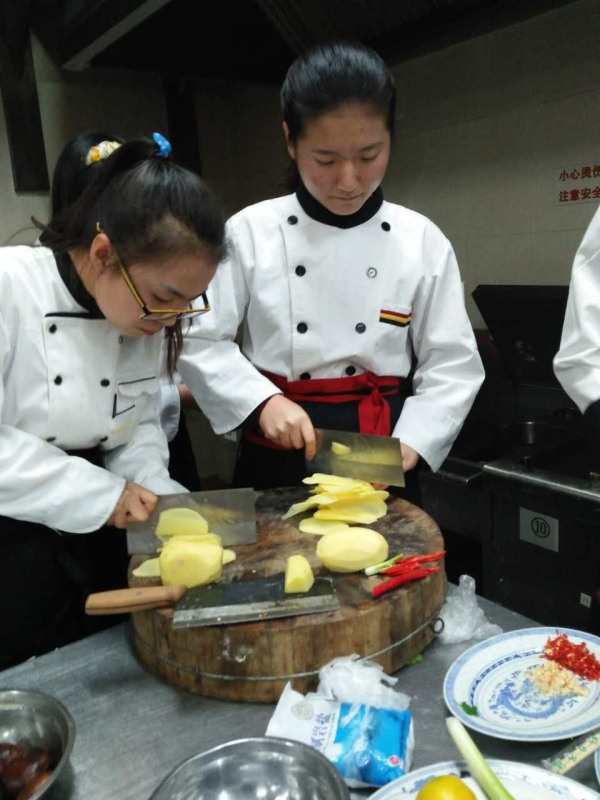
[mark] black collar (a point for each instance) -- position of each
(318, 212)
(73, 282)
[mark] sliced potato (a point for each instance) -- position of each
(322, 477)
(305, 505)
(352, 550)
(322, 527)
(190, 563)
(228, 557)
(147, 569)
(360, 512)
(298, 574)
(339, 449)
(180, 522)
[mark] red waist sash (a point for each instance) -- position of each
(368, 389)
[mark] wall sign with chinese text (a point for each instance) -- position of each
(578, 184)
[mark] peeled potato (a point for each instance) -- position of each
(298, 574)
(207, 538)
(180, 522)
(322, 527)
(190, 563)
(352, 550)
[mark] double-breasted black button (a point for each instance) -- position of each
(350, 370)
(104, 382)
(302, 327)
(53, 328)
(386, 226)
(292, 219)
(360, 327)
(103, 439)
(371, 272)
(50, 439)
(300, 270)
(305, 376)
(58, 380)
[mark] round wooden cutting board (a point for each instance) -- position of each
(253, 661)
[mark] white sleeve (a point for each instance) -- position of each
(144, 459)
(577, 363)
(449, 371)
(226, 386)
(40, 483)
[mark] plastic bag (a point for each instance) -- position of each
(350, 680)
(369, 746)
(463, 619)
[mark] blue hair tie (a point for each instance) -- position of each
(164, 146)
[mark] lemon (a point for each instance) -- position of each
(339, 449)
(445, 787)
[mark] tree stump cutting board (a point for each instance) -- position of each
(252, 661)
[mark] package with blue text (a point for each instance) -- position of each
(370, 746)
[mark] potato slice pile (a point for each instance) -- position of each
(341, 505)
(190, 555)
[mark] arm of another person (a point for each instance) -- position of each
(449, 370)
(226, 386)
(577, 363)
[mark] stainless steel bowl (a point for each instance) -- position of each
(38, 720)
(262, 768)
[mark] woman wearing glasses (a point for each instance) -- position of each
(340, 292)
(81, 326)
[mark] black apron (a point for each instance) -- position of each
(45, 578)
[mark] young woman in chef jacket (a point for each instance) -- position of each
(81, 326)
(341, 293)
(77, 164)
(577, 363)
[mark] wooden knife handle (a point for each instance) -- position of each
(142, 598)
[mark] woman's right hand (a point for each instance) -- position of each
(287, 424)
(135, 505)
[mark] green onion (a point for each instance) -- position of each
(383, 565)
(479, 767)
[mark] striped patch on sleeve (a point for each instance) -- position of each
(395, 318)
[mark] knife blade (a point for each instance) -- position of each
(219, 604)
(362, 456)
(230, 513)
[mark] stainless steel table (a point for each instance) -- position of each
(133, 728)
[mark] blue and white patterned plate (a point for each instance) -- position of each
(523, 781)
(598, 765)
(493, 677)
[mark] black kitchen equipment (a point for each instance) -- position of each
(523, 490)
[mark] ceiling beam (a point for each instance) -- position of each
(89, 28)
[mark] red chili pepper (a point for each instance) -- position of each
(412, 561)
(407, 577)
(574, 657)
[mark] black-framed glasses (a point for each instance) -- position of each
(154, 313)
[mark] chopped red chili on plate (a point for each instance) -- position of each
(575, 657)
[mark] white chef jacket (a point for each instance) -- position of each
(70, 382)
(577, 363)
(312, 297)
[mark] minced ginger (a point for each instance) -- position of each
(551, 678)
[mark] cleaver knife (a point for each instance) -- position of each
(362, 456)
(219, 604)
(230, 513)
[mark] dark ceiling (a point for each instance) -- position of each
(256, 40)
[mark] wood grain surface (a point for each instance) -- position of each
(253, 661)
